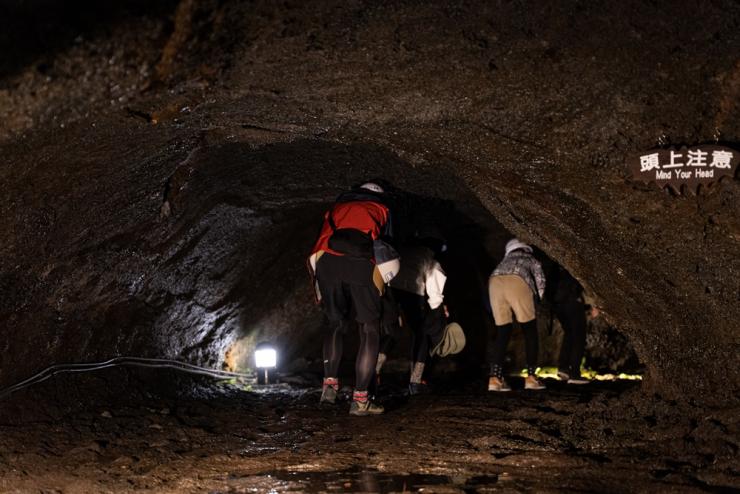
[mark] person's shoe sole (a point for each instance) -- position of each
(535, 388)
(563, 376)
(499, 390)
(418, 390)
(365, 413)
(357, 413)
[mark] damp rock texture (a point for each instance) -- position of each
(225, 440)
(163, 205)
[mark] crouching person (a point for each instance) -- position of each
(419, 290)
(349, 286)
(512, 288)
(568, 303)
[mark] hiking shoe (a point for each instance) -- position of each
(328, 395)
(330, 390)
(531, 382)
(362, 408)
(418, 388)
(497, 384)
(578, 380)
(563, 376)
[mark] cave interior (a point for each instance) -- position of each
(166, 168)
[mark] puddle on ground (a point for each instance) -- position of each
(356, 480)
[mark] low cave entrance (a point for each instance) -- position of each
(221, 268)
(271, 298)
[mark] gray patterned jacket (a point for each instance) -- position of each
(523, 264)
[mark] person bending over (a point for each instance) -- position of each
(349, 286)
(419, 290)
(512, 288)
(569, 306)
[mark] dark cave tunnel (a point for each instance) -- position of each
(282, 314)
(233, 233)
(225, 268)
(168, 166)
(225, 255)
(476, 241)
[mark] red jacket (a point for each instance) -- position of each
(366, 216)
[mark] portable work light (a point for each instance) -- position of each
(265, 360)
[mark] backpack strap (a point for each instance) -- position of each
(330, 220)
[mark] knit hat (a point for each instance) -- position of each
(515, 244)
(452, 342)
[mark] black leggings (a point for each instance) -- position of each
(387, 343)
(390, 330)
(531, 346)
(413, 307)
(424, 323)
(367, 354)
(572, 318)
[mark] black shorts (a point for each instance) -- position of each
(347, 288)
(422, 319)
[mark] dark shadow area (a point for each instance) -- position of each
(476, 242)
(35, 31)
(607, 349)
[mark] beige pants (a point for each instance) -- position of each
(510, 293)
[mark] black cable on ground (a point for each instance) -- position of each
(118, 361)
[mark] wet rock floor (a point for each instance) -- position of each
(81, 434)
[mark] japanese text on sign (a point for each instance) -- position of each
(691, 167)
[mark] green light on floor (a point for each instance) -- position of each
(543, 372)
(552, 373)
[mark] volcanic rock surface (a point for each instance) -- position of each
(221, 439)
(165, 166)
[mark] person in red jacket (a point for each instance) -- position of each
(349, 286)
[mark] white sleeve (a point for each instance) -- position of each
(435, 286)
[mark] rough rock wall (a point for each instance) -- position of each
(197, 252)
(531, 112)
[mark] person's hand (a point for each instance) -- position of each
(446, 310)
(595, 312)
